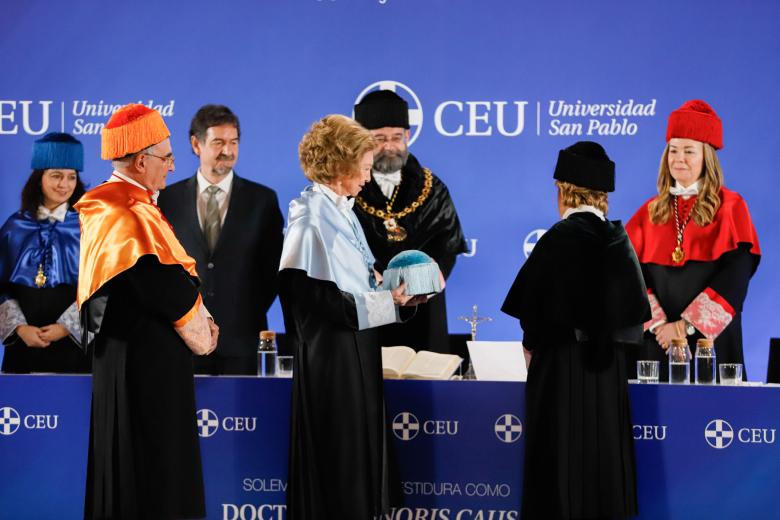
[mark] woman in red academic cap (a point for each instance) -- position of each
(695, 241)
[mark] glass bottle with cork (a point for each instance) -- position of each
(679, 362)
(705, 362)
(266, 354)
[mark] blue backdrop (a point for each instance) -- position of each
(496, 87)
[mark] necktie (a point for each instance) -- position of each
(212, 224)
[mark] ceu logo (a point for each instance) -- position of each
(208, 423)
(718, 434)
(531, 239)
(649, 432)
(415, 107)
(30, 117)
(406, 426)
(9, 421)
(508, 428)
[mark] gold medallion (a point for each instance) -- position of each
(40, 278)
(395, 233)
(678, 255)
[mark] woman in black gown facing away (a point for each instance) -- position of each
(581, 302)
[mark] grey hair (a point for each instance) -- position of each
(127, 159)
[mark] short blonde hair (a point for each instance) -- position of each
(332, 148)
(708, 201)
(573, 196)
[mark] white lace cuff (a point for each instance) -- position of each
(659, 316)
(11, 316)
(70, 320)
(375, 309)
(709, 313)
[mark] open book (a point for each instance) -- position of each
(405, 363)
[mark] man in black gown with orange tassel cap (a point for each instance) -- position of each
(138, 290)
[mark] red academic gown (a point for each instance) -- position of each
(709, 286)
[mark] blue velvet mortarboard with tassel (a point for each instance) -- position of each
(417, 269)
(58, 150)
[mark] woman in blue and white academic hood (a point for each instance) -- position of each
(39, 261)
(333, 302)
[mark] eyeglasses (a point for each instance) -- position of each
(168, 159)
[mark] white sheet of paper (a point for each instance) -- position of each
(498, 360)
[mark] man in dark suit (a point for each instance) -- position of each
(232, 227)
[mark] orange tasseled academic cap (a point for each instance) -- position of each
(131, 129)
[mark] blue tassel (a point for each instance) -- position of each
(417, 269)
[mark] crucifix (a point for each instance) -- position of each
(474, 320)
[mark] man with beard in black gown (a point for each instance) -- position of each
(581, 301)
(405, 206)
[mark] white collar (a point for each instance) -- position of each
(584, 208)
(223, 185)
(393, 178)
(691, 190)
(57, 213)
(119, 176)
(342, 202)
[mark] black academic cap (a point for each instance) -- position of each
(382, 108)
(586, 164)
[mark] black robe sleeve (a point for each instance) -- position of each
(448, 240)
(733, 275)
(301, 294)
(270, 255)
(165, 290)
(525, 300)
(712, 310)
(581, 280)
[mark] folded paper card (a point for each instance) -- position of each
(498, 360)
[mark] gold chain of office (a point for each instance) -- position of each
(411, 208)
